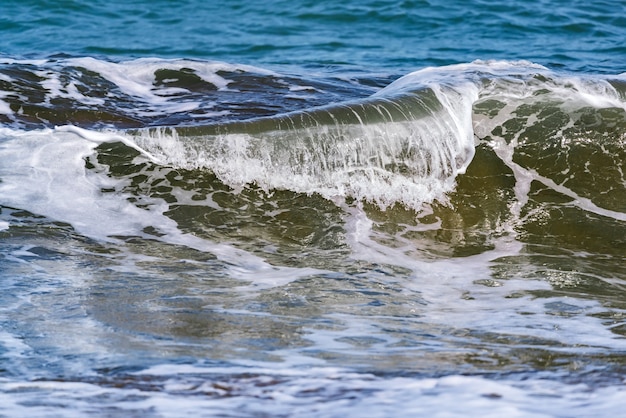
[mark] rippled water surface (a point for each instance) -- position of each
(312, 209)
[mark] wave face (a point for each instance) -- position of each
(405, 143)
(390, 148)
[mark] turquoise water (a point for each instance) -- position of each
(394, 36)
(312, 208)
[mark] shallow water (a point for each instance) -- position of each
(318, 210)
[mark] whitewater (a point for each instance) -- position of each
(312, 209)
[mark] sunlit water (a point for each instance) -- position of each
(364, 209)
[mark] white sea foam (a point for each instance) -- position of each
(317, 392)
(135, 78)
(5, 109)
(450, 288)
(408, 157)
(524, 177)
(44, 172)
(566, 93)
(55, 89)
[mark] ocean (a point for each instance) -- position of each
(315, 209)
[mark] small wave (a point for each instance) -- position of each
(386, 149)
(408, 142)
(405, 144)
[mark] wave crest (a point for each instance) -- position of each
(404, 148)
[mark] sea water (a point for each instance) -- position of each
(301, 208)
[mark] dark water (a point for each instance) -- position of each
(312, 209)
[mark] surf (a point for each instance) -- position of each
(407, 143)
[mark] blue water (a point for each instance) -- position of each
(398, 36)
(312, 208)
